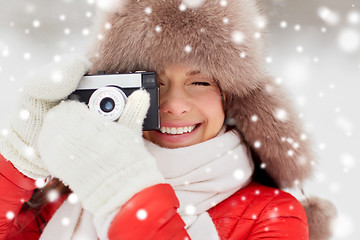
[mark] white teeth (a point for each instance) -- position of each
(179, 130)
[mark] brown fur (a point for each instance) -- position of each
(133, 44)
(321, 214)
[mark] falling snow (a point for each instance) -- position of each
(190, 210)
(237, 37)
(194, 3)
(53, 195)
(10, 215)
(40, 182)
(141, 214)
(314, 54)
(187, 48)
(239, 174)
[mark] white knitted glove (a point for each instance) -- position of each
(45, 88)
(105, 163)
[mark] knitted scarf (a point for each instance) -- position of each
(202, 176)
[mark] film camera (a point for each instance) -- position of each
(106, 94)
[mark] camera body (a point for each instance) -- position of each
(106, 94)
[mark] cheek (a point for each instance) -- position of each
(211, 107)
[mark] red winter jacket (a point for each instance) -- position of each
(254, 212)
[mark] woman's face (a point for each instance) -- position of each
(191, 109)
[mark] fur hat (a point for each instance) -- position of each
(222, 38)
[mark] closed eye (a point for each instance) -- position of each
(201, 83)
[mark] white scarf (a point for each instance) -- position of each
(202, 176)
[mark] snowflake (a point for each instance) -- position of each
(158, 29)
(239, 174)
(4, 132)
(62, 17)
(40, 183)
(303, 136)
(27, 56)
(347, 161)
(257, 35)
(67, 31)
(36, 23)
(223, 3)
(254, 118)
(190, 209)
(278, 80)
(283, 24)
(260, 22)
(353, 18)
(290, 153)
(85, 32)
(281, 114)
(322, 146)
(328, 16)
(53, 195)
(187, 48)
(182, 7)
(56, 76)
(57, 58)
(193, 3)
(10, 215)
(65, 221)
(73, 198)
(5, 51)
(88, 14)
(269, 59)
(349, 40)
(141, 214)
(24, 114)
(237, 37)
(257, 144)
(148, 10)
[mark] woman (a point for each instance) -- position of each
(225, 128)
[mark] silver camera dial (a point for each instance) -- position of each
(108, 102)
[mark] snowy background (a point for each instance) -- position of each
(314, 50)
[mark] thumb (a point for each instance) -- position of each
(135, 110)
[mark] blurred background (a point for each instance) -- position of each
(314, 51)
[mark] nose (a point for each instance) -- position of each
(174, 101)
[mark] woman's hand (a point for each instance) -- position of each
(44, 90)
(105, 163)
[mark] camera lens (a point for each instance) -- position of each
(108, 102)
(107, 105)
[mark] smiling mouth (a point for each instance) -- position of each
(178, 130)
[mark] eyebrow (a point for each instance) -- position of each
(193, 72)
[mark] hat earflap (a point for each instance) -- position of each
(273, 131)
(321, 215)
